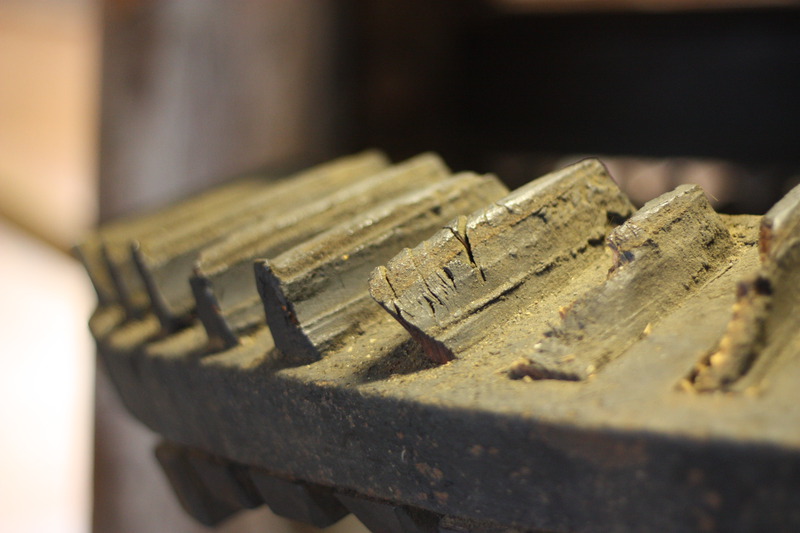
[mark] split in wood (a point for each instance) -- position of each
(453, 289)
(317, 292)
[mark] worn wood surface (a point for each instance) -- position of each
(764, 325)
(223, 283)
(450, 289)
(165, 263)
(106, 254)
(662, 255)
(316, 292)
(565, 448)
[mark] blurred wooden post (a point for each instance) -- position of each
(193, 92)
(196, 91)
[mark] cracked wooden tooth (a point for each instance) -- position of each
(662, 255)
(317, 292)
(450, 290)
(165, 264)
(763, 321)
(223, 283)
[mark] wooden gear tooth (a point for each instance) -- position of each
(666, 244)
(223, 281)
(312, 297)
(166, 263)
(498, 259)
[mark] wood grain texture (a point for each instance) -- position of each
(165, 262)
(316, 292)
(662, 255)
(223, 283)
(489, 265)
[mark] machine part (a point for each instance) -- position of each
(448, 291)
(765, 322)
(165, 260)
(316, 293)
(207, 503)
(299, 501)
(668, 250)
(223, 282)
(108, 250)
(407, 441)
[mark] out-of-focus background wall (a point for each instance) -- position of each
(112, 107)
(49, 83)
